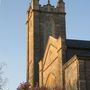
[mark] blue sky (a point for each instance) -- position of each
(13, 33)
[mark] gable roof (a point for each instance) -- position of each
(75, 58)
(81, 44)
(77, 47)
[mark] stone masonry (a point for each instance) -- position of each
(52, 60)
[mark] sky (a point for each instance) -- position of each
(13, 33)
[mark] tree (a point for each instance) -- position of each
(2, 79)
(23, 86)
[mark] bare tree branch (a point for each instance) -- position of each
(2, 79)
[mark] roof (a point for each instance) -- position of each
(78, 44)
(75, 58)
(77, 47)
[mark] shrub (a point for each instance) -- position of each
(27, 86)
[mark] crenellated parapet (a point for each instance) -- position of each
(59, 8)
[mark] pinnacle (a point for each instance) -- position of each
(60, 0)
(48, 1)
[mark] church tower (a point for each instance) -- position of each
(42, 22)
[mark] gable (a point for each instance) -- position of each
(50, 72)
(77, 47)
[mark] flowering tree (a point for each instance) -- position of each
(23, 86)
(27, 86)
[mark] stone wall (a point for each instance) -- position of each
(84, 70)
(50, 74)
(70, 74)
(30, 48)
(76, 73)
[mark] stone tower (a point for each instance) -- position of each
(42, 22)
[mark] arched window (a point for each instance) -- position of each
(51, 81)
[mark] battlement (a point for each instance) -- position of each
(60, 7)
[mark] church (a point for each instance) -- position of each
(52, 59)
